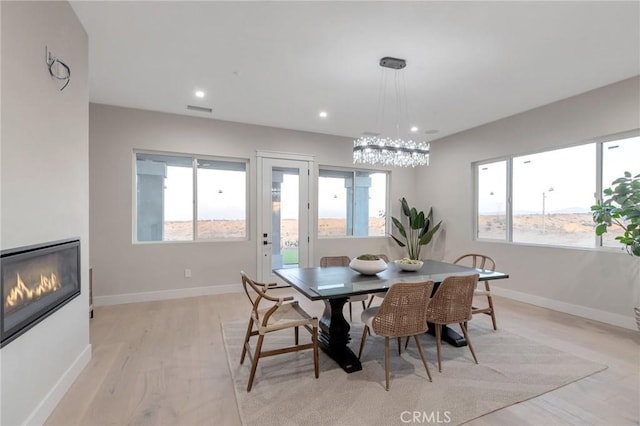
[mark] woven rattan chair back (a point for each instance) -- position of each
(403, 311)
(334, 261)
(452, 304)
(452, 301)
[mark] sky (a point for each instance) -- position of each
(562, 180)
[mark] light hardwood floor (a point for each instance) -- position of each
(164, 363)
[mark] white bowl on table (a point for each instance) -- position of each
(409, 266)
(368, 267)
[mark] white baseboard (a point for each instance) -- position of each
(53, 397)
(568, 308)
(150, 296)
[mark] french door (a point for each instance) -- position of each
(284, 213)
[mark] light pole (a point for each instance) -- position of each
(544, 197)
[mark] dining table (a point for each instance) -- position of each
(334, 285)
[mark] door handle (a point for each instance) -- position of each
(266, 243)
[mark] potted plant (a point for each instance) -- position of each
(418, 232)
(620, 208)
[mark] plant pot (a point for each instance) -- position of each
(637, 312)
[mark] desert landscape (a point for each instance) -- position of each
(218, 229)
(574, 229)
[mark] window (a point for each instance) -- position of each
(492, 201)
(546, 198)
(552, 195)
(352, 203)
(184, 198)
(618, 156)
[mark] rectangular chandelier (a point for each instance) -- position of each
(388, 152)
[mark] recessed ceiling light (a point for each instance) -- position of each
(414, 129)
(323, 114)
(199, 94)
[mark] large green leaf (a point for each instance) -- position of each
(405, 207)
(400, 226)
(426, 238)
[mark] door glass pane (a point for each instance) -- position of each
(618, 156)
(552, 197)
(492, 201)
(285, 205)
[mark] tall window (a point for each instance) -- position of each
(352, 203)
(492, 201)
(184, 198)
(546, 198)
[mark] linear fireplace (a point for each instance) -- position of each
(35, 282)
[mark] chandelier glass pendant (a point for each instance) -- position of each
(386, 151)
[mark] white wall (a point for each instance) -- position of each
(125, 272)
(595, 284)
(45, 194)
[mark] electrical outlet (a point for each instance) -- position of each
(187, 273)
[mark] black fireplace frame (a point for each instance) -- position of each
(6, 336)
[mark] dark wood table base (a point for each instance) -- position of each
(334, 335)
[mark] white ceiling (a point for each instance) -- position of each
(280, 63)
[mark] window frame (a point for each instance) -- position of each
(598, 186)
(353, 171)
(194, 219)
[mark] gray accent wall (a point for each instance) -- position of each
(602, 285)
(45, 194)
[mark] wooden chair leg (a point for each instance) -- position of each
(386, 361)
(296, 333)
(438, 343)
(422, 355)
(350, 313)
(254, 365)
(364, 305)
(492, 312)
(406, 343)
(316, 359)
(365, 330)
(399, 340)
(370, 301)
(463, 326)
(246, 340)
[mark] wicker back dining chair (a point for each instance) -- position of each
(275, 314)
(481, 261)
(328, 261)
(401, 314)
(451, 304)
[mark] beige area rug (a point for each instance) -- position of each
(285, 392)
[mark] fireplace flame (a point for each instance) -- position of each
(21, 293)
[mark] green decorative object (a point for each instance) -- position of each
(620, 208)
(417, 233)
(368, 257)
